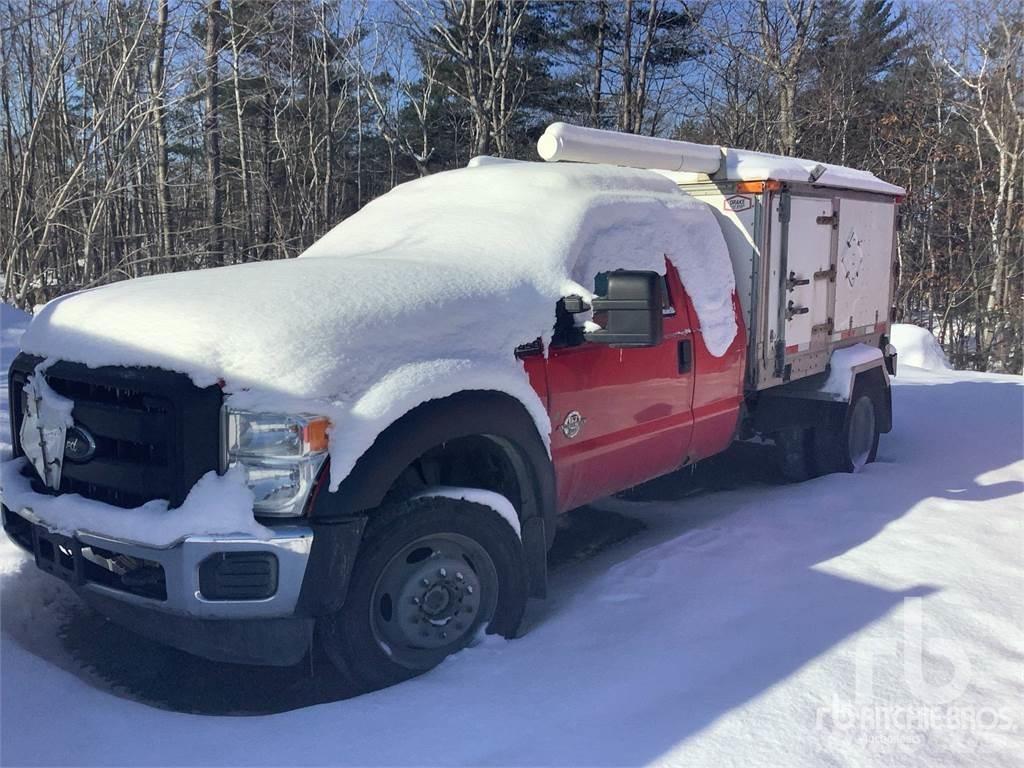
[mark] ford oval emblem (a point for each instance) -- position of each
(573, 424)
(79, 445)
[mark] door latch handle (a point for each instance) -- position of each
(792, 310)
(795, 282)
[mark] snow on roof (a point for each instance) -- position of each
(686, 162)
(744, 165)
(424, 292)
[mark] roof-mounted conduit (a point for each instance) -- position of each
(565, 142)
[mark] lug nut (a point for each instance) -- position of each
(459, 576)
(415, 601)
(469, 589)
(443, 573)
(444, 635)
(425, 582)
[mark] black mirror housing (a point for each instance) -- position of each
(574, 305)
(630, 311)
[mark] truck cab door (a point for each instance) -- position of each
(621, 416)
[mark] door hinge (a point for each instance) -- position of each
(784, 207)
(825, 328)
(829, 221)
(826, 274)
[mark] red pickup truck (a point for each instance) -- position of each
(366, 447)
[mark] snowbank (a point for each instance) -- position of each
(12, 326)
(800, 625)
(918, 347)
(13, 323)
(425, 292)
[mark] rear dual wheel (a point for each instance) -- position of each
(431, 575)
(855, 445)
(845, 443)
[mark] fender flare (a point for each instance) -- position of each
(495, 415)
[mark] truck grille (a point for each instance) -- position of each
(156, 432)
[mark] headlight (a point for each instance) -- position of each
(281, 455)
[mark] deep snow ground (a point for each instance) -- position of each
(852, 620)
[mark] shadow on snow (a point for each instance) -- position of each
(700, 589)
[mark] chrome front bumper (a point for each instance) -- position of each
(290, 545)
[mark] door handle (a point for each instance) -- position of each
(685, 356)
(792, 310)
(795, 282)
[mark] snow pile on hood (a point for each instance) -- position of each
(425, 292)
(918, 347)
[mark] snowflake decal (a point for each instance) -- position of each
(852, 258)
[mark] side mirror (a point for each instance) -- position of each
(629, 312)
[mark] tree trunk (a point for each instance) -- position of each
(243, 155)
(626, 110)
(595, 94)
(163, 191)
(215, 204)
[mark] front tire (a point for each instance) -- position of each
(431, 574)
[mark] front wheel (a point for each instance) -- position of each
(431, 574)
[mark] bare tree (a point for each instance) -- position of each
(480, 38)
(157, 86)
(211, 130)
(778, 44)
(145, 136)
(988, 62)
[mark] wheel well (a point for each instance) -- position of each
(442, 435)
(799, 405)
(475, 461)
(475, 438)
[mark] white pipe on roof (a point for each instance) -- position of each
(562, 141)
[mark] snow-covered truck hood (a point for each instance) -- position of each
(425, 292)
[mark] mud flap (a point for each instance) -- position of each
(535, 550)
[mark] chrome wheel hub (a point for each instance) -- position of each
(431, 598)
